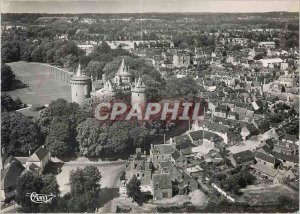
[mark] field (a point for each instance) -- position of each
(42, 87)
(267, 194)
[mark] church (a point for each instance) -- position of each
(82, 86)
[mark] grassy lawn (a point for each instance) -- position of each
(42, 87)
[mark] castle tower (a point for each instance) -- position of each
(138, 93)
(81, 86)
(123, 74)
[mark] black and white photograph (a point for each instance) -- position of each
(149, 106)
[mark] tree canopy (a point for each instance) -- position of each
(19, 134)
(85, 189)
(7, 78)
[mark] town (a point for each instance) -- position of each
(62, 134)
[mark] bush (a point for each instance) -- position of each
(37, 107)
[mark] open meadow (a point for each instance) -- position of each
(42, 88)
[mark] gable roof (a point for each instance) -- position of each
(162, 181)
(10, 174)
(290, 158)
(163, 149)
(244, 156)
(38, 155)
(290, 137)
(266, 157)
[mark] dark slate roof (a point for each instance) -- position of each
(290, 158)
(218, 127)
(176, 154)
(266, 157)
(270, 143)
(243, 156)
(163, 149)
(39, 154)
(252, 129)
(162, 181)
(222, 108)
(290, 137)
(200, 134)
(10, 174)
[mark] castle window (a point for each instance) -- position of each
(143, 175)
(76, 94)
(138, 175)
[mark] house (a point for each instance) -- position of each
(268, 44)
(162, 186)
(242, 158)
(262, 125)
(284, 147)
(221, 111)
(160, 152)
(287, 160)
(266, 159)
(179, 159)
(38, 160)
(266, 165)
(185, 185)
(248, 131)
(139, 166)
(12, 170)
(258, 105)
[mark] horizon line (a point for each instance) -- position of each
(272, 11)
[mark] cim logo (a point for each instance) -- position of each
(40, 198)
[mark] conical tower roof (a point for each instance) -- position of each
(79, 75)
(140, 86)
(123, 71)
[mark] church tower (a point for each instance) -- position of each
(81, 86)
(138, 93)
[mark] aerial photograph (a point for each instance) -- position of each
(149, 106)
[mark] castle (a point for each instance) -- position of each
(82, 86)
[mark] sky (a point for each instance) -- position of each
(143, 6)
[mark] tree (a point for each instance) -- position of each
(28, 182)
(134, 190)
(94, 68)
(258, 56)
(58, 141)
(123, 176)
(92, 137)
(37, 55)
(62, 112)
(19, 134)
(7, 78)
(181, 88)
(9, 104)
(10, 51)
(85, 189)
